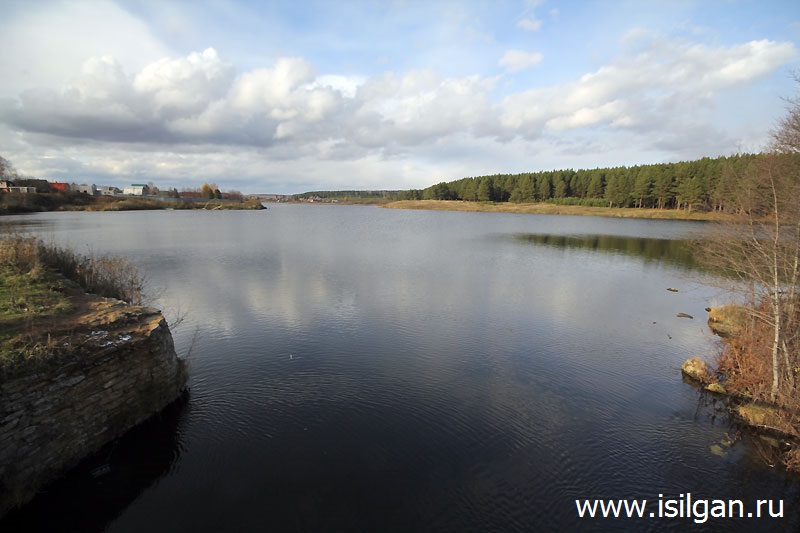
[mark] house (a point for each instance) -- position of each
(135, 189)
(91, 190)
(105, 190)
(7, 186)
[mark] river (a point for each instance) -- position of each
(364, 369)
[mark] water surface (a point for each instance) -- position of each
(362, 369)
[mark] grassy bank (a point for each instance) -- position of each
(43, 287)
(142, 204)
(32, 203)
(552, 209)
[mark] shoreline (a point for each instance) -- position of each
(77, 369)
(553, 209)
(41, 203)
(767, 420)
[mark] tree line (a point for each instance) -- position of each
(705, 184)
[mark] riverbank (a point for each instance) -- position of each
(774, 424)
(77, 370)
(11, 204)
(553, 209)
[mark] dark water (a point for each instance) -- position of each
(362, 369)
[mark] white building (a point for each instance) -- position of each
(135, 189)
(105, 190)
(91, 190)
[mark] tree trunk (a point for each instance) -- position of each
(776, 344)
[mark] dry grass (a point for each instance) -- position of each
(108, 276)
(744, 363)
(552, 209)
(727, 320)
(36, 303)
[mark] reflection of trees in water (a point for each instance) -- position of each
(100, 488)
(675, 251)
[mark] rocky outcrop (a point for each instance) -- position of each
(119, 369)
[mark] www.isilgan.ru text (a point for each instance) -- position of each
(684, 506)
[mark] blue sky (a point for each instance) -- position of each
(285, 97)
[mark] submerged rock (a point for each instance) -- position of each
(718, 450)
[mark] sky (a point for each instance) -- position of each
(291, 96)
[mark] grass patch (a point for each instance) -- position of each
(554, 209)
(39, 284)
(30, 304)
(26, 300)
(727, 320)
(762, 415)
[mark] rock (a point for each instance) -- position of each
(670, 289)
(52, 419)
(684, 315)
(715, 387)
(696, 369)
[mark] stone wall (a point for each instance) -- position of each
(121, 369)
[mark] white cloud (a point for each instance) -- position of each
(51, 40)
(529, 24)
(196, 114)
(346, 85)
(664, 84)
(185, 86)
(516, 60)
(589, 116)
(271, 88)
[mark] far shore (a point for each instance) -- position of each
(553, 209)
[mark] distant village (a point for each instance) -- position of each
(149, 190)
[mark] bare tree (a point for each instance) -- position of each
(761, 250)
(7, 171)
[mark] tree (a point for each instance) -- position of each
(7, 171)
(206, 191)
(543, 187)
(690, 192)
(440, 191)
(485, 190)
(595, 189)
(560, 187)
(642, 187)
(468, 191)
(761, 252)
(616, 192)
(663, 187)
